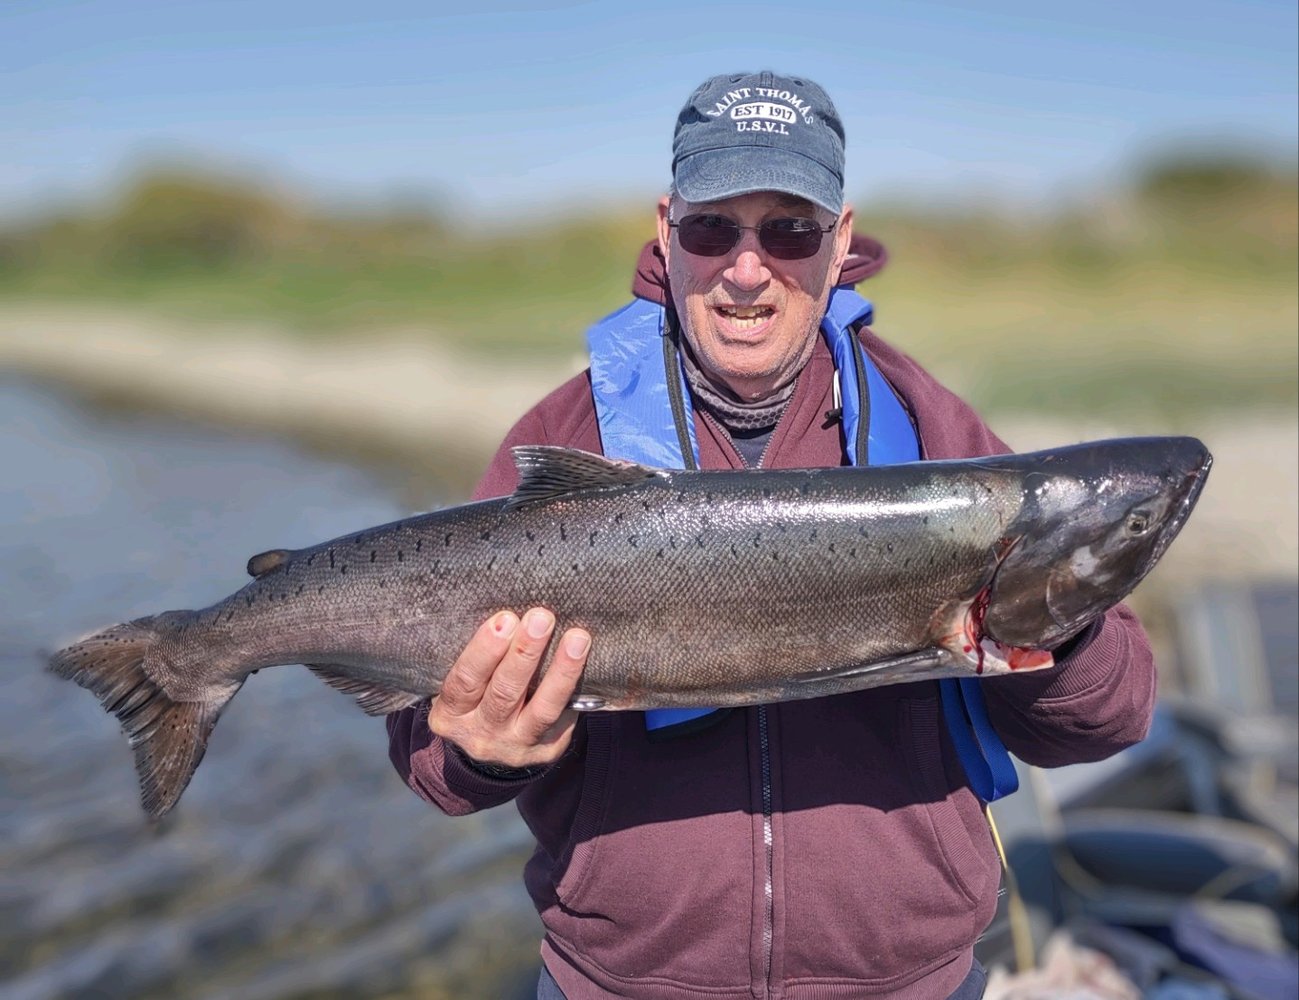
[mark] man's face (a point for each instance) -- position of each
(750, 318)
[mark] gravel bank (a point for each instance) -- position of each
(395, 395)
(398, 396)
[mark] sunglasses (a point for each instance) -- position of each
(709, 235)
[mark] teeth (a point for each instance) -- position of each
(745, 317)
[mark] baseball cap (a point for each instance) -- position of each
(745, 132)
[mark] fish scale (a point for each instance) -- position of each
(698, 588)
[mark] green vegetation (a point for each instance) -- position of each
(1172, 295)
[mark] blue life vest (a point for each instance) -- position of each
(645, 418)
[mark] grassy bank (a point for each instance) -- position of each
(1174, 296)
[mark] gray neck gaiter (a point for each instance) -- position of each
(730, 411)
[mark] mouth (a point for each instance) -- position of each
(1193, 487)
(744, 319)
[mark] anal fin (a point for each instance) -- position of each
(374, 699)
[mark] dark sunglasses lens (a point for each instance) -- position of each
(715, 235)
(708, 235)
(790, 239)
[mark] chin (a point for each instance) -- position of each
(749, 384)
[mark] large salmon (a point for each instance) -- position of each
(699, 588)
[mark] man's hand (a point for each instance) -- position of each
(484, 707)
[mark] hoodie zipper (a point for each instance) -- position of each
(677, 399)
(768, 887)
(768, 836)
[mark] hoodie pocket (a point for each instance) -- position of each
(955, 817)
(883, 854)
(658, 880)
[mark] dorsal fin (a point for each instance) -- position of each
(547, 472)
(264, 562)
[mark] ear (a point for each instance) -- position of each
(665, 234)
(842, 239)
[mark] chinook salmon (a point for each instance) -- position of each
(699, 588)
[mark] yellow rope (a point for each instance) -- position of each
(1021, 930)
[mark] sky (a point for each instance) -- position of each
(510, 106)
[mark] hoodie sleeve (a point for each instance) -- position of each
(1100, 695)
(432, 767)
(434, 771)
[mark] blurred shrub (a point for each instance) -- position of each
(167, 220)
(1182, 179)
(1221, 206)
(174, 219)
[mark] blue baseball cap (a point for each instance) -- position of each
(747, 132)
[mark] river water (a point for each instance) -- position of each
(297, 864)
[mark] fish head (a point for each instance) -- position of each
(1094, 521)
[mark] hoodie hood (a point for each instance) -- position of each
(866, 257)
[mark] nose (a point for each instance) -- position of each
(748, 271)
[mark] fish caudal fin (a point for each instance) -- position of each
(169, 737)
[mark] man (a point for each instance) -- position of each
(823, 848)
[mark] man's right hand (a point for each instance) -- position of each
(484, 707)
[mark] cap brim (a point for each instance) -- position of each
(716, 174)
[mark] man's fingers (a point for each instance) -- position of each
(549, 703)
(508, 687)
(485, 708)
(467, 681)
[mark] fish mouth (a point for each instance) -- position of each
(1193, 486)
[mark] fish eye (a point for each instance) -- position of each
(1138, 522)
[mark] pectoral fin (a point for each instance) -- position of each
(908, 666)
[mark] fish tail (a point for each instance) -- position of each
(168, 736)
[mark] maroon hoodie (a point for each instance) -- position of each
(827, 848)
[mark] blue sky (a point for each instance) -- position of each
(522, 106)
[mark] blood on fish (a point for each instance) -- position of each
(979, 606)
(1015, 657)
(978, 610)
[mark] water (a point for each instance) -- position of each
(297, 864)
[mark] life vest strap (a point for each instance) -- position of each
(633, 403)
